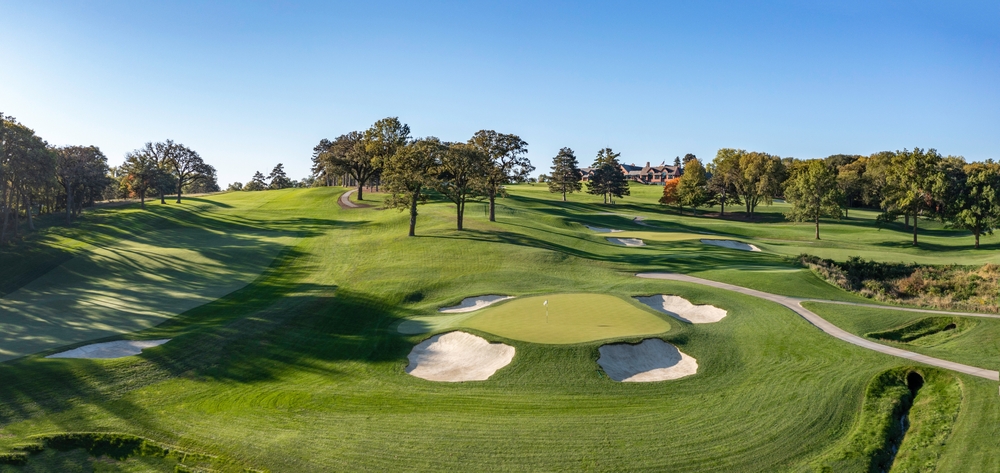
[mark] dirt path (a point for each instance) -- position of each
(796, 305)
(345, 200)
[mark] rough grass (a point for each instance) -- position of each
(303, 370)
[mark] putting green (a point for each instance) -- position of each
(131, 285)
(657, 236)
(572, 318)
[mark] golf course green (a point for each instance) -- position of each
(567, 318)
(283, 310)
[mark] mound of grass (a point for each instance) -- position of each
(568, 318)
(928, 331)
(131, 285)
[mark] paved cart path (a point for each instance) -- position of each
(345, 200)
(796, 305)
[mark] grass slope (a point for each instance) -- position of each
(302, 370)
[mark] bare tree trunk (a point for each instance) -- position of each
(179, 191)
(31, 222)
(142, 199)
(914, 228)
(163, 199)
(817, 227)
(361, 190)
(977, 239)
(906, 223)
(461, 213)
(493, 197)
(722, 204)
(564, 194)
(413, 213)
(69, 204)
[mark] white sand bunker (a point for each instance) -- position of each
(602, 229)
(470, 304)
(458, 356)
(732, 244)
(679, 308)
(651, 360)
(115, 349)
(627, 241)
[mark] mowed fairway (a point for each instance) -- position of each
(304, 368)
(567, 318)
(131, 285)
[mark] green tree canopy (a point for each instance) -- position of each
(607, 179)
(566, 174)
(813, 193)
(692, 189)
(463, 169)
(408, 172)
(508, 163)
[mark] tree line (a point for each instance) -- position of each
(278, 179)
(907, 184)
(38, 178)
(409, 168)
(606, 178)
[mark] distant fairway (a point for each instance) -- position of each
(572, 318)
(131, 285)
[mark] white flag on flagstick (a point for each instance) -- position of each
(546, 303)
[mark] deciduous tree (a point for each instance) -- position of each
(692, 189)
(409, 172)
(813, 193)
(460, 176)
(187, 167)
(910, 185)
(978, 208)
(508, 163)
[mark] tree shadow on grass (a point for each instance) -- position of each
(256, 334)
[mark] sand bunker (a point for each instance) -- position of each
(115, 349)
(651, 360)
(627, 241)
(679, 308)
(470, 304)
(735, 245)
(602, 229)
(641, 221)
(458, 356)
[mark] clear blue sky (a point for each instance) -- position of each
(249, 84)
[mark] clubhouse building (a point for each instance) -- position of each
(643, 174)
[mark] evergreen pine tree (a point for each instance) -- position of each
(566, 173)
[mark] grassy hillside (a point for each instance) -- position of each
(302, 369)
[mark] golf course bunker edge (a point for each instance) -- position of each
(648, 361)
(731, 244)
(683, 310)
(470, 304)
(115, 349)
(627, 241)
(602, 229)
(458, 356)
